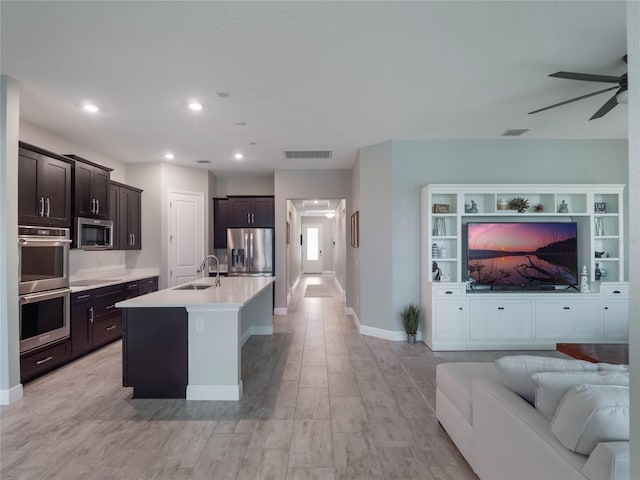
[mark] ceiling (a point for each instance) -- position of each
(316, 207)
(307, 75)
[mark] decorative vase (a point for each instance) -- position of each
(503, 204)
(597, 272)
(434, 251)
(563, 208)
(411, 338)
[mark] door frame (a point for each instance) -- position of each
(200, 227)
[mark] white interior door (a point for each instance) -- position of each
(312, 241)
(186, 236)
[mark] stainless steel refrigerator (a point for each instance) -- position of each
(250, 251)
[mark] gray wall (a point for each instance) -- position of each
(9, 329)
(245, 185)
(353, 254)
(296, 184)
(390, 211)
(340, 248)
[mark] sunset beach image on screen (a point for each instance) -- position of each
(531, 253)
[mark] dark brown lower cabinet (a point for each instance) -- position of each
(155, 352)
(35, 364)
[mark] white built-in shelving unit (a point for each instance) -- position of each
(461, 319)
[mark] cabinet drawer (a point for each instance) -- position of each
(107, 330)
(443, 291)
(44, 360)
(148, 282)
(616, 291)
(80, 297)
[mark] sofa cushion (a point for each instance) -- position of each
(454, 381)
(608, 461)
(515, 371)
(589, 414)
(551, 387)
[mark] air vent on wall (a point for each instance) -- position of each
(203, 161)
(514, 132)
(296, 154)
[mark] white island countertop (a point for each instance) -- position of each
(234, 292)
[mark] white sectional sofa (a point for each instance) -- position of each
(504, 437)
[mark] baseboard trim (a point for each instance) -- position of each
(328, 272)
(343, 292)
(214, 392)
(280, 311)
(394, 336)
(256, 330)
(11, 395)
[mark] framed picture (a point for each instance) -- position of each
(288, 233)
(355, 229)
(440, 208)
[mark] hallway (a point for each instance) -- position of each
(321, 402)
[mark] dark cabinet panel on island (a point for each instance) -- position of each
(44, 188)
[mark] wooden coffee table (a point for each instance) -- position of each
(596, 352)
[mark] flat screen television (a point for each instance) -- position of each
(524, 254)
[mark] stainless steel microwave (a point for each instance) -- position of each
(93, 234)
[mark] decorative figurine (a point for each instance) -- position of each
(473, 208)
(584, 280)
(563, 208)
(436, 270)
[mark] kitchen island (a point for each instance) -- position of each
(186, 342)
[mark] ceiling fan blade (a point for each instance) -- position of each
(604, 109)
(573, 100)
(587, 77)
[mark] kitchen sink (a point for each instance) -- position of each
(88, 283)
(193, 286)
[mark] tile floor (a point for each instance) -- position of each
(321, 402)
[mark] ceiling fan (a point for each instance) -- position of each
(619, 97)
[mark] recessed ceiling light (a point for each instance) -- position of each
(331, 215)
(195, 106)
(169, 156)
(90, 107)
(222, 94)
(315, 201)
(238, 156)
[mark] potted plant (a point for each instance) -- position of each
(411, 315)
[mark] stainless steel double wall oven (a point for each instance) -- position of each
(43, 266)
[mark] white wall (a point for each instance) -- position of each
(340, 248)
(390, 208)
(302, 184)
(633, 50)
(244, 185)
(10, 387)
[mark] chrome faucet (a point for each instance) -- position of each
(204, 264)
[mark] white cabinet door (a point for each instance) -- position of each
(449, 322)
(615, 320)
(567, 319)
(499, 319)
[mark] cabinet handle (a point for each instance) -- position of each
(566, 308)
(253, 218)
(248, 218)
(448, 292)
(48, 207)
(132, 286)
(110, 307)
(133, 239)
(97, 206)
(111, 327)
(606, 308)
(500, 308)
(91, 315)
(459, 308)
(42, 206)
(44, 360)
(616, 291)
(93, 205)
(82, 297)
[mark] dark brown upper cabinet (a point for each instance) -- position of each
(251, 212)
(44, 187)
(126, 207)
(90, 189)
